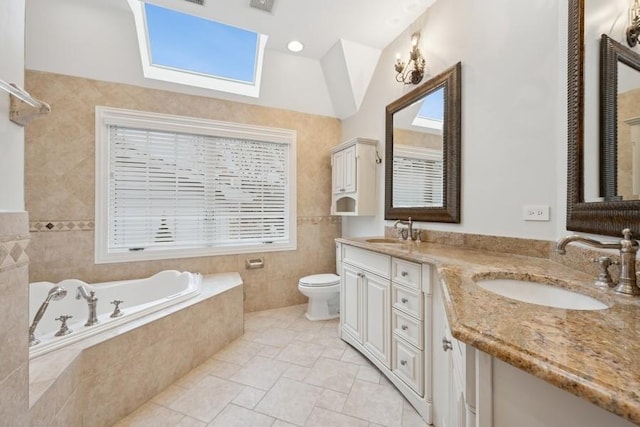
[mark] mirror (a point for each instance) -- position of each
(620, 127)
(604, 211)
(422, 149)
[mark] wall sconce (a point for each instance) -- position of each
(633, 30)
(412, 71)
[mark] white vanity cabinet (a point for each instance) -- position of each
(386, 315)
(353, 166)
(453, 372)
(365, 301)
(473, 389)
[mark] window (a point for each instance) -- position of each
(173, 187)
(187, 49)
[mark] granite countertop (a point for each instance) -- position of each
(592, 354)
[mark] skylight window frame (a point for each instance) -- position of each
(192, 78)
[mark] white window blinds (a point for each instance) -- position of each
(174, 191)
(417, 182)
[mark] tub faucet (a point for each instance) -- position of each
(408, 232)
(92, 301)
(628, 249)
(55, 294)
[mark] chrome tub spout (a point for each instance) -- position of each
(92, 302)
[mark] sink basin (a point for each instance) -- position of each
(385, 241)
(541, 294)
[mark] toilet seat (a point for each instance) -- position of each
(320, 280)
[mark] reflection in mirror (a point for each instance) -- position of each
(628, 106)
(620, 126)
(422, 171)
(417, 152)
(594, 204)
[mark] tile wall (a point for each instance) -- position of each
(14, 356)
(59, 187)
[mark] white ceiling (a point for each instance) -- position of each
(318, 24)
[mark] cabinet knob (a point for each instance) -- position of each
(404, 327)
(403, 362)
(404, 274)
(342, 190)
(404, 300)
(446, 344)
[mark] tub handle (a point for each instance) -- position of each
(64, 329)
(116, 310)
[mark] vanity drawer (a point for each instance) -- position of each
(407, 300)
(408, 328)
(407, 365)
(406, 273)
(371, 261)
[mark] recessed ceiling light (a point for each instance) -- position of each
(295, 46)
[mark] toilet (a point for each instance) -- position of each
(323, 291)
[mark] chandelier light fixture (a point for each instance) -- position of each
(633, 30)
(412, 71)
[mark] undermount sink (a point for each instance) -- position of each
(541, 294)
(385, 241)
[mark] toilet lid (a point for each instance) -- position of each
(320, 280)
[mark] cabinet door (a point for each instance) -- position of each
(442, 362)
(350, 169)
(350, 297)
(377, 320)
(457, 401)
(338, 172)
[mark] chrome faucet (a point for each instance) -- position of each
(92, 301)
(55, 294)
(628, 249)
(408, 232)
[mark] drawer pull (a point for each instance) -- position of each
(446, 344)
(404, 274)
(404, 300)
(360, 275)
(405, 327)
(403, 362)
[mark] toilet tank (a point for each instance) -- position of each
(338, 258)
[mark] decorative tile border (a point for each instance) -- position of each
(65, 225)
(44, 226)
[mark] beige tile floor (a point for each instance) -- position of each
(284, 371)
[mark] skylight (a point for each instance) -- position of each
(431, 112)
(187, 49)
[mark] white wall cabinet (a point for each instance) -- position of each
(353, 165)
(386, 315)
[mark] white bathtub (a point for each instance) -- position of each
(140, 296)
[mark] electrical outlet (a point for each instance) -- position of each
(535, 213)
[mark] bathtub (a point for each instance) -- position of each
(140, 297)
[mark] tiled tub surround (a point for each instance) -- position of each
(101, 379)
(59, 187)
(591, 354)
(14, 288)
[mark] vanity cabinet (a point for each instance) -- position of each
(353, 171)
(365, 301)
(453, 372)
(386, 315)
